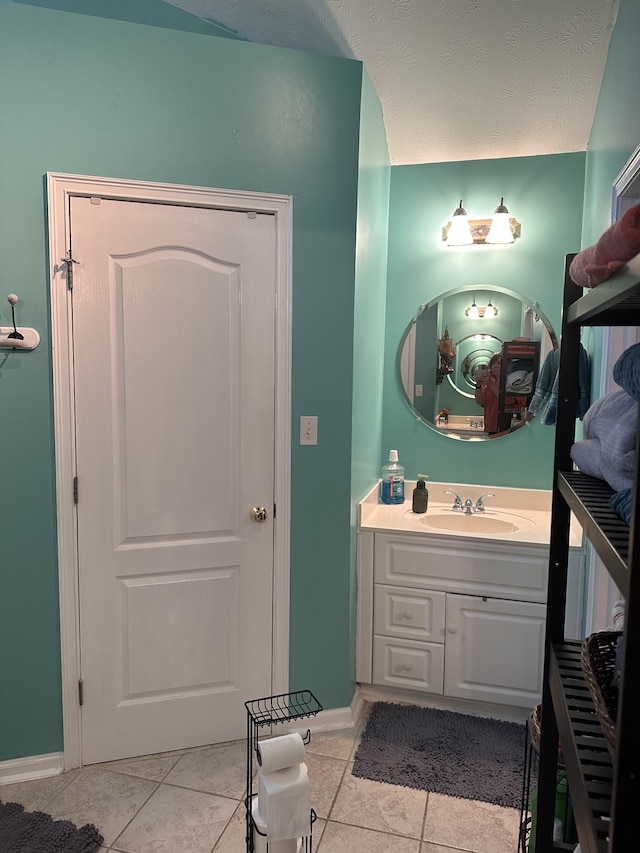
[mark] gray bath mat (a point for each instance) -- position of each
(37, 832)
(474, 758)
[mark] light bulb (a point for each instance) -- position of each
(500, 230)
(490, 310)
(472, 311)
(459, 230)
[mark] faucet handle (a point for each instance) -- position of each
(457, 504)
(480, 501)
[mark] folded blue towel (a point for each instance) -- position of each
(626, 371)
(621, 503)
(608, 449)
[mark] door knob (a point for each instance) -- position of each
(258, 514)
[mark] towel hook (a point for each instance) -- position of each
(15, 335)
(26, 339)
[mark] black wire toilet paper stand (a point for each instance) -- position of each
(262, 715)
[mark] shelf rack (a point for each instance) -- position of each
(262, 715)
(605, 790)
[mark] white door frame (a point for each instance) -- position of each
(60, 189)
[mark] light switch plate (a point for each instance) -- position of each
(308, 429)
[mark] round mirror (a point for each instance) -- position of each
(469, 361)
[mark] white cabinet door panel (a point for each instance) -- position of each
(495, 650)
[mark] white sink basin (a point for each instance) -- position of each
(480, 522)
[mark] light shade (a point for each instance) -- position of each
(500, 230)
(459, 232)
(472, 311)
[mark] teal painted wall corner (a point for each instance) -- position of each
(374, 174)
(156, 13)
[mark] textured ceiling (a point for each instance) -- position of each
(457, 79)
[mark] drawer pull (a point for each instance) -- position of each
(405, 667)
(406, 615)
(452, 630)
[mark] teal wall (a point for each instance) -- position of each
(155, 12)
(545, 194)
(88, 95)
(370, 294)
(167, 103)
(616, 127)
(615, 135)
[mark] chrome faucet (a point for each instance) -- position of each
(480, 502)
(457, 504)
(467, 506)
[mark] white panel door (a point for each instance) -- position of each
(173, 336)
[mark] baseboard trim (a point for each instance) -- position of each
(334, 718)
(32, 767)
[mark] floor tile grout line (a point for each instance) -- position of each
(338, 787)
(233, 814)
(137, 812)
(424, 820)
(380, 831)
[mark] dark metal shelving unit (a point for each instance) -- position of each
(605, 789)
(262, 715)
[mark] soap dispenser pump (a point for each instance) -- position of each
(420, 495)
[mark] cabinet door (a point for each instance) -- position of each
(412, 613)
(408, 664)
(494, 650)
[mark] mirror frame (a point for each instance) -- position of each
(467, 288)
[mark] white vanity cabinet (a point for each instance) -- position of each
(452, 617)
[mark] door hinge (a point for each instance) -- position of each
(81, 692)
(75, 490)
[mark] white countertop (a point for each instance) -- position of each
(532, 506)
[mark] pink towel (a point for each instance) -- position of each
(618, 244)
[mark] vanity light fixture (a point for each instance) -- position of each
(481, 311)
(462, 231)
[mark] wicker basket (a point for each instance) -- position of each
(535, 727)
(598, 662)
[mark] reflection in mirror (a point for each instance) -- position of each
(445, 352)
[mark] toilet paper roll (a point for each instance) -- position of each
(284, 802)
(289, 845)
(276, 753)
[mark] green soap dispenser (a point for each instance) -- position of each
(420, 495)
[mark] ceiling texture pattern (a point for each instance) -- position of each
(457, 79)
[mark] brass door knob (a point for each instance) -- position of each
(258, 514)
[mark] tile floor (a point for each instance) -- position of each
(192, 802)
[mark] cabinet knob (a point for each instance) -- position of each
(406, 615)
(452, 630)
(405, 667)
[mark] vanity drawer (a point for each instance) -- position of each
(452, 564)
(409, 664)
(410, 613)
